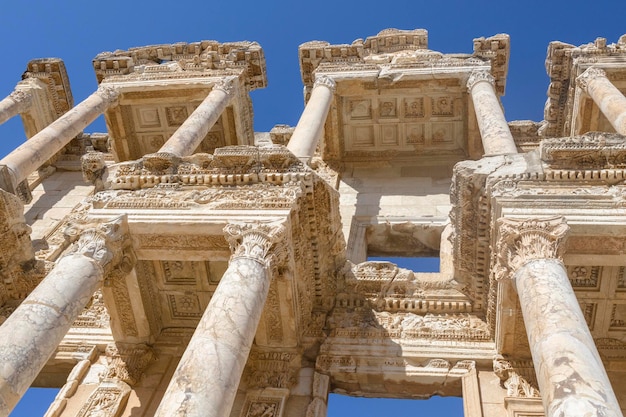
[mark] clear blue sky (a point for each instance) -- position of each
(77, 30)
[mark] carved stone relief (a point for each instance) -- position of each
(108, 400)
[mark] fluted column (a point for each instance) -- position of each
(15, 103)
(570, 373)
(310, 127)
(31, 334)
(29, 156)
(494, 130)
(206, 379)
(190, 134)
(609, 99)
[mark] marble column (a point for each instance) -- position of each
(310, 127)
(494, 130)
(189, 135)
(609, 99)
(15, 103)
(31, 334)
(571, 377)
(208, 374)
(29, 156)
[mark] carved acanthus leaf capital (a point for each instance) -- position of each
(127, 362)
(108, 244)
(227, 85)
(323, 80)
(524, 240)
(23, 98)
(589, 75)
(516, 385)
(478, 76)
(109, 93)
(255, 240)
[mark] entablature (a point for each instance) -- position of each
(568, 110)
(580, 179)
(204, 58)
(148, 113)
(399, 100)
(178, 210)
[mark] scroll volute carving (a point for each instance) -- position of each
(523, 240)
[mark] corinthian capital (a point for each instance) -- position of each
(590, 74)
(478, 76)
(227, 85)
(23, 98)
(326, 82)
(521, 241)
(107, 243)
(109, 93)
(255, 240)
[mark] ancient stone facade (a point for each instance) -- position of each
(182, 264)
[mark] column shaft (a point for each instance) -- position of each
(206, 379)
(609, 99)
(570, 373)
(190, 134)
(310, 127)
(15, 103)
(31, 334)
(29, 156)
(494, 130)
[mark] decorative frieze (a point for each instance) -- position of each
(591, 151)
(108, 400)
(265, 403)
(203, 59)
(271, 369)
